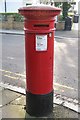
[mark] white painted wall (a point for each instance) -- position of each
(30, 2)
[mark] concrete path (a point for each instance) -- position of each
(13, 104)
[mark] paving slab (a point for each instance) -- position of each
(15, 109)
(8, 96)
(20, 101)
(59, 112)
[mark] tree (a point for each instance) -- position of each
(57, 4)
(65, 7)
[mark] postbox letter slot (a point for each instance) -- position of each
(41, 25)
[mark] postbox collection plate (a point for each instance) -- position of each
(41, 42)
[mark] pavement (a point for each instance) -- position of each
(60, 34)
(12, 104)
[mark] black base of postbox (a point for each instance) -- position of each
(39, 105)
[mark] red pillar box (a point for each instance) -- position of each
(39, 49)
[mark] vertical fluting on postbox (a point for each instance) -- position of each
(39, 52)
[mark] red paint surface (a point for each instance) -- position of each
(39, 64)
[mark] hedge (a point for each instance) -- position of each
(16, 16)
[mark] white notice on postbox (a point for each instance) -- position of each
(41, 42)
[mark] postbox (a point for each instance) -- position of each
(39, 52)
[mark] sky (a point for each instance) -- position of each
(14, 5)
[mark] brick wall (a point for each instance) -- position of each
(11, 24)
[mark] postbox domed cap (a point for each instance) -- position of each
(39, 12)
